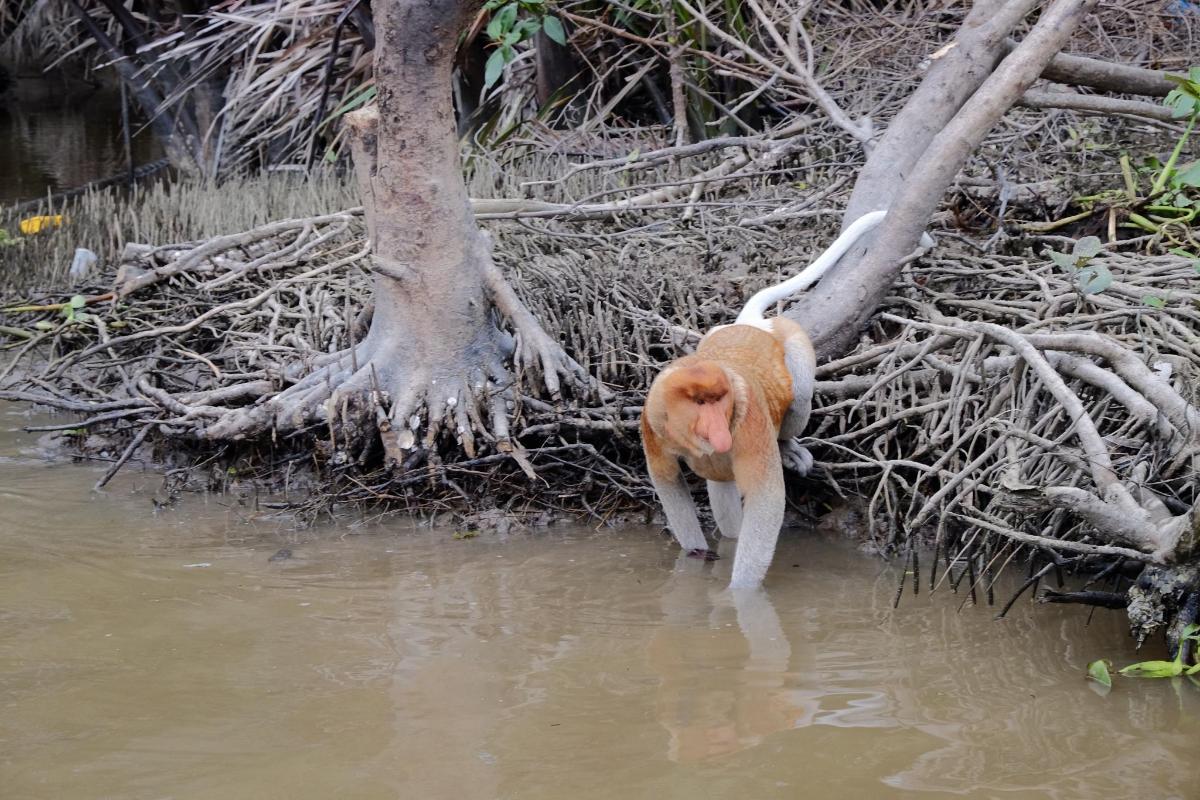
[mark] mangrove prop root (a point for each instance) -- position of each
(991, 408)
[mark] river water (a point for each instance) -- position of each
(58, 134)
(154, 654)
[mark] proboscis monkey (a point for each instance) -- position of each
(730, 410)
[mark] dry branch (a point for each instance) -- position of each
(1103, 75)
(1095, 104)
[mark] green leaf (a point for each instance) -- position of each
(502, 22)
(494, 68)
(1098, 671)
(1153, 302)
(1062, 259)
(493, 28)
(554, 29)
(360, 97)
(1093, 280)
(1087, 247)
(1153, 669)
(526, 28)
(43, 325)
(508, 15)
(78, 301)
(1189, 176)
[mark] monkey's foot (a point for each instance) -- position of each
(707, 555)
(796, 457)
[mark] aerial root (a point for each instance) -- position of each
(534, 347)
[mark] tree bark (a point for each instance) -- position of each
(957, 71)
(429, 285)
(434, 356)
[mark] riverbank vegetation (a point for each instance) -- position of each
(1022, 395)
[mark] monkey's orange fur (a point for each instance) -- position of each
(689, 393)
(731, 411)
(723, 411)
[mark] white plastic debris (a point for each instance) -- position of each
(82, 264)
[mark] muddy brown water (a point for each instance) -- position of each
(165, 654)
(57, 135)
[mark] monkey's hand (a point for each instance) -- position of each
(795, 457)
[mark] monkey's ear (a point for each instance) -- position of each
(741, 399)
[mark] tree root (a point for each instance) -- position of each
(992, 411)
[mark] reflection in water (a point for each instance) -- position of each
(766, 694)
(386, 662)
(57, 135)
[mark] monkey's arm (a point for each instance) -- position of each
(801, 365)
(759, 476)
(672, 492)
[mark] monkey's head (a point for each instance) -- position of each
(700, 408)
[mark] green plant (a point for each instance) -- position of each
(71, 309)
(1167, 669)
(1089, 278)
(1100, 670)
(1172, 198)
(1171, 202)
(513, 22)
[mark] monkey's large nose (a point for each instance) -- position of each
(712, 428)
(721, 440)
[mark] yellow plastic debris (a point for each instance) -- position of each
(34, 224)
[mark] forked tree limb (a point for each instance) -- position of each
(956, 71)
(836, 310)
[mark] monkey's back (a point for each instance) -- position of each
(758, 356)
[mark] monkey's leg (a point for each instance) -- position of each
(802, 366)
(726, 502)
(795, 457)
(761, 481)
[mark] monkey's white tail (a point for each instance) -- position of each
(766, 298)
